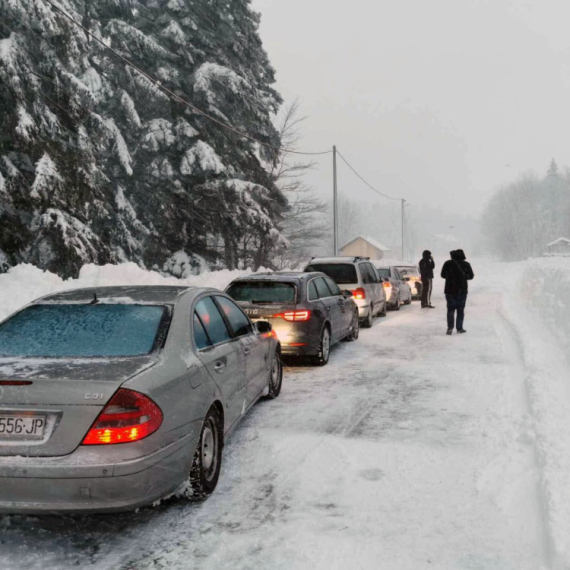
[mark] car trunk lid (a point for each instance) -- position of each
(66, 394)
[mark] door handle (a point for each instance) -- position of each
(219, 366)
(246, 351)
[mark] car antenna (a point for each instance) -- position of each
(95, 300)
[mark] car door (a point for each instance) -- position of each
(255, 348)
(223, 357)
(372, 287)
(331, 307)
(346, 312)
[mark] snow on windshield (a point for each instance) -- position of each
(81, 331)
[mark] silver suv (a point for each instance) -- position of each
(359, 276)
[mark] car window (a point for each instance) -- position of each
(373, 272)
(384, 272)
(364, 273)
(313, 293)
(262, 292)
(240, 324)
(200, 335)
(332, 286)
(340, 273)
(212, 320)
(84, 331)
(397, 274)
(322, 288)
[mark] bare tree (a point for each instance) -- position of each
(304, 222)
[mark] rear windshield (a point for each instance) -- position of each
(83, 331)
(262, 292)
(383, 272)
(408, 271)
(340, 273)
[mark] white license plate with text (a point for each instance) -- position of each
(22, 427)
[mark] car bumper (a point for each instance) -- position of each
(46, 485)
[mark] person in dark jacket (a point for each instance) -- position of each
(456, 272)
(427, 266)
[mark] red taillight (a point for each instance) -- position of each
(387, 284)
(294, 316)
(129, 416)
(359, 293)
(15, 382)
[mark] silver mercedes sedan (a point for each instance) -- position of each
(114, 397)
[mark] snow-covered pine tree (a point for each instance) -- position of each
(97, 164)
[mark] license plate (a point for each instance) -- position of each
(22, 427)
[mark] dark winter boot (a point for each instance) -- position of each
(461, 331)
(449, 331)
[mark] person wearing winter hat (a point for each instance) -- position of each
(456, 272)
(427, 266)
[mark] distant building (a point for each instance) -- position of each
(365, 247)
(561, 246)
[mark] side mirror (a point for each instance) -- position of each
(347, 293)
(386, 280)
(406, 278)
(263, 327)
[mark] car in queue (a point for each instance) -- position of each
(398, 291)
(360, 277)
(308, 312)
(112, 398)
(411, 274)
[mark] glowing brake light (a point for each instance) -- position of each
(294, 316)
(359, 293)
(128, 416)
(387, 284)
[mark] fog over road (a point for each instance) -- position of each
(410, 450)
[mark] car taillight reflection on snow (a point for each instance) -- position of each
(129, 416)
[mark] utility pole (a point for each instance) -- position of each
(403, 230)
(335, 205)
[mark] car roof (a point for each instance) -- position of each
(152, 294)
(290, 276)
(339, 259)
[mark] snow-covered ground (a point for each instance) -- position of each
(410, 450)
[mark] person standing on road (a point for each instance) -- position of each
(456, 272)
(427, 266)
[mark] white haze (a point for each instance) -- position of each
(437, 102)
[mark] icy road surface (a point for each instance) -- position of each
(410, 450)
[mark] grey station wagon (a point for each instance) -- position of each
(114, 397)
(308, 311)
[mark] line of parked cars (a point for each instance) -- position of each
(114, 397)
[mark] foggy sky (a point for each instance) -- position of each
(430, 100)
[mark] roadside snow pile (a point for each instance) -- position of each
(539, 311)
(545, 289)
(24, 283)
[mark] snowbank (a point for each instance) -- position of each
(539, 312)
(24, 283)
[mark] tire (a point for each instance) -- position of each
(398, 304)
(207, 463)
(409, 301)
(384, 312)
(275, 377)
(355, 328)
(323, 356)
(367, 322)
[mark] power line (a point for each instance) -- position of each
(158, 84)
(367, 183)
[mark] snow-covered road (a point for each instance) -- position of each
(410, 450)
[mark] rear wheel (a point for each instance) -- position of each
(322, 357)
(355, 328)
(409, 301)
(367, 322)
(398, 303)
(207, 463)
(275, 377)
(384, 312)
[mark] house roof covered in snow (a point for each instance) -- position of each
(371, 241)
(559, 241)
